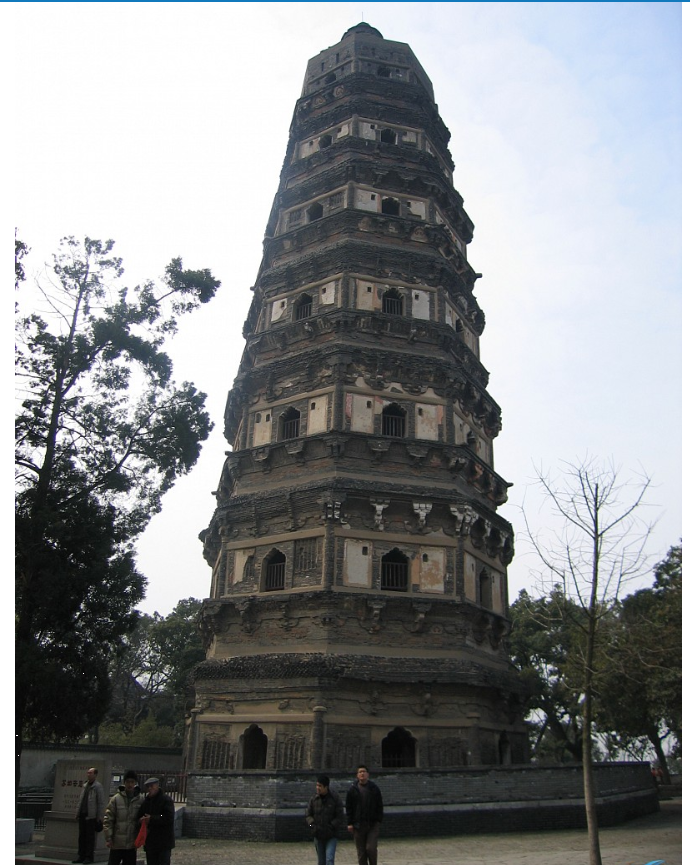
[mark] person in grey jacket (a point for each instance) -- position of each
(120, 824)
(89, 811)
(324, 818)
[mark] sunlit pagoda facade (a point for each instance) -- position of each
(358, 600)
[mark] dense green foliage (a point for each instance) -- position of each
(151, 689)
(102, 431)
(545, 644)
(637, 683)
(639, 688)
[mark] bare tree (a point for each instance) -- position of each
(596, 545)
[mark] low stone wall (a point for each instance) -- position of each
(266, 806)
(38, 761)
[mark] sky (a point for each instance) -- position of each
(164, 126)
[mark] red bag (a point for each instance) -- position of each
(141, 837)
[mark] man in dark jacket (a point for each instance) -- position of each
(157, 813)
(324, 818)
(89, 814)
(364, 807)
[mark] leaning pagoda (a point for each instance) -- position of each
(358, 600)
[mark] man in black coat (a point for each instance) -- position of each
(364, 808)
(157, 812)
(324, 818)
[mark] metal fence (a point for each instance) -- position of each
(172, 783)
(34, 806)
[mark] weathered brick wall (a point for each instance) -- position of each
(264, 807)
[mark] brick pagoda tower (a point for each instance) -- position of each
(359, 594)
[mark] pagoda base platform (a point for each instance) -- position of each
(265, 806)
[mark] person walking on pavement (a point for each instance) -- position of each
(89, 812)
(324, 818)
(120, 824)
(364, 807)
(157, 813)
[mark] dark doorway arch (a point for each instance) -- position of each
(388, 136)
(254, 748)
(392, 302)
(274, 571)
(303, 307)
(399, 750)
(390, 206)
(315, 211)
(395, 568)
(289, 424)
(393, 419)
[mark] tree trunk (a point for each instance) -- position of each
(588, 780)
(655, 740)
(587, 762)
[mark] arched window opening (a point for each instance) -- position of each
(330, 78)
(393, 421)
(289, 425)
(398, 750)
(315, 211)
(254, 748)
(485, 589)
(274, 574)
(303, 307)
(383, 72)
(388, 136)
(325, 141)
(390, 206)
(394, 570)
(458, 327)
(392, 302)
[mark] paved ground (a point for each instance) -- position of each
(635, 843)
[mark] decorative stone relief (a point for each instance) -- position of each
(333, 512)
(285, 621)
(245, 608)
(420, 611)
(499, 629)
(379, 506)
(481, 625)
(262, 457)
(296, 448)
(376, 607)
(374, 704)
(417, 453)
(422, 509)
(210, 620)
(426, 706)
(337, 446)
(465, 517)
(378, 448)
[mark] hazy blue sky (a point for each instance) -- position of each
(164, 126)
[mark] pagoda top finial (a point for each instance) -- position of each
(363, 27)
